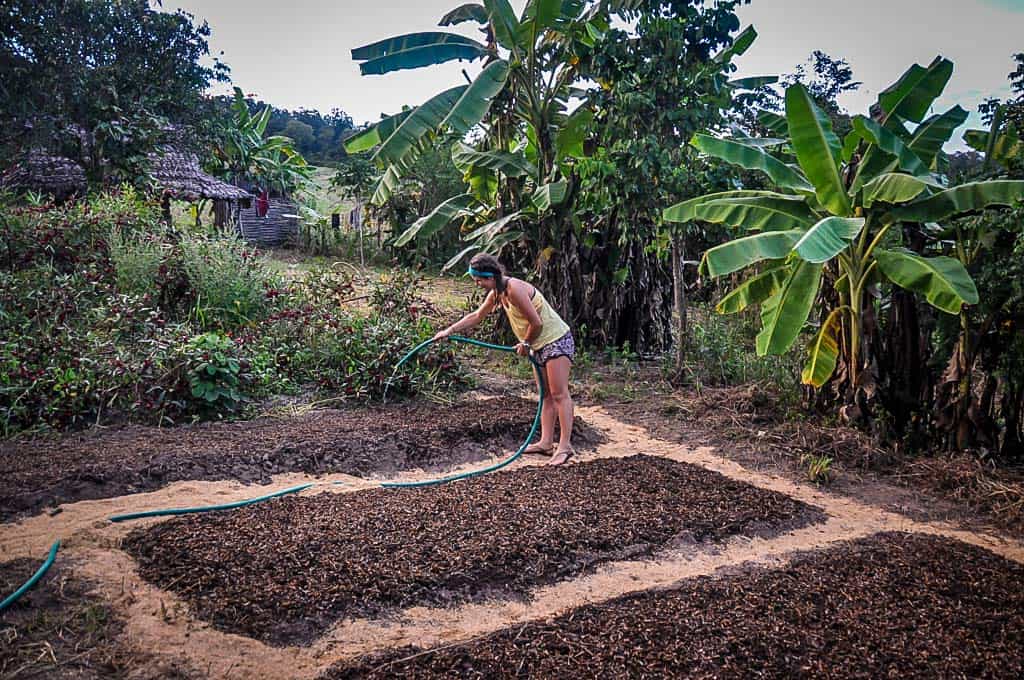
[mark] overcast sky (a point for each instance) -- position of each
(296, 53)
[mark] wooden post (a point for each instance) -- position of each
(359, 226)
(679, 290)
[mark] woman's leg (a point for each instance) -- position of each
(557, 372)
(547, 422)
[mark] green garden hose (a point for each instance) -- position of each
(209, 508)
(13, 597)
(497, 466)
(390, 485)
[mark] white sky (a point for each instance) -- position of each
(297, 54)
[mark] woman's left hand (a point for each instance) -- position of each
(523, 350)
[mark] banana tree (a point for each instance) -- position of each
(522, 91)
(244, 154)
(839, 210)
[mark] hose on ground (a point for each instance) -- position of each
(388, 485)
(13, 597)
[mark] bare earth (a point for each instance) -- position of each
(161, 629)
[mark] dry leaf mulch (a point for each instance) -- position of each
(891, 605)
(747, 424)
(363, 442)
(285, 570)
(58, 629)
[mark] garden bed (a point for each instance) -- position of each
(363, 442)
(891, 605)
(285, 570)
(59, 630)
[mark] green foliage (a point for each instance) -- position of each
(99, 81)
(243, 153)
(718, 353)
(818, 468)
(106, 317)
(214, 372)
(862, 189)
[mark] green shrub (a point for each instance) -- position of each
(228, 281)
(214, 372)
(720, 352)
(106, 317)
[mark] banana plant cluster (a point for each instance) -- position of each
(838, 213)
(244, 154)
(530, 66)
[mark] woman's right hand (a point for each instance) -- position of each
(442, 335)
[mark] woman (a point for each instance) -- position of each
(540, 330)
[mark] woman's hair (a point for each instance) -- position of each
(488, 263)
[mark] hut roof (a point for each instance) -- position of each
(39, 171)
(179, 175)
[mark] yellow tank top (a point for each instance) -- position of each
(552, 325)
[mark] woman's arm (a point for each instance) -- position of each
(471, 319)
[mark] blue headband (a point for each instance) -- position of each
(480, 274)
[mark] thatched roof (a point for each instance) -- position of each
(178, 174)
(55, 175)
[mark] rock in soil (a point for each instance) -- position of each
(888, 606)
(283, 571)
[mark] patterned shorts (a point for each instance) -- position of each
(563, 347)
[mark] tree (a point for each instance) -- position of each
(843, 217)
(242, 154)
(300, 133)
(99, 81)
(522, 173)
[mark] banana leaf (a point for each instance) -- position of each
(817, 149)
(823, 353)
(754, 290)
(439, 217)
(828, 238)
(417, 126)
(472, 106)
(784, 314)
(737, 254)
(752, 158)
(962, 199)
(943, 281)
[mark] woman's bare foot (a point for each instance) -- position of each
(540, 447)
(562, 456)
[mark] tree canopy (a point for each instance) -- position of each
(99, 81)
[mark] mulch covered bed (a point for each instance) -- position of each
(363, 442)
(891, 605)
(285, 570)
(59, 630)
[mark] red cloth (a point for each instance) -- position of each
(262, 204)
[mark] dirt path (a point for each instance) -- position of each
(160, 623)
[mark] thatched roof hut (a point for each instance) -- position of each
(178, 175)
(55, 175)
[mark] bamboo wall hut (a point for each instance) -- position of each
(272, 222)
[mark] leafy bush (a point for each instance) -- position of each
(720, 352)
(214, 372)
(105, 317)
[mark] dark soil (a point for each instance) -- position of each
(365, 442)
(58, 630)
(752, 426)
(891, 605)
(285, 570)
